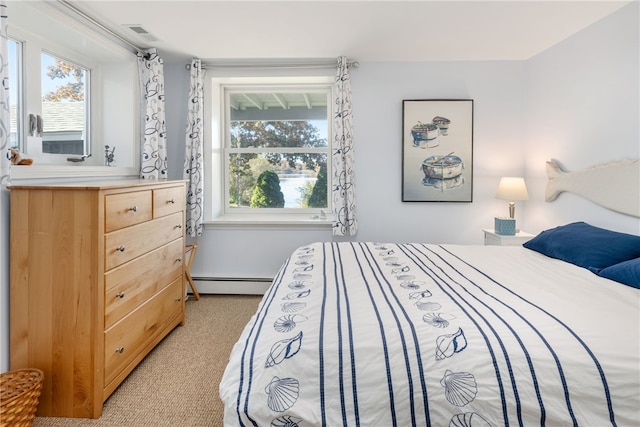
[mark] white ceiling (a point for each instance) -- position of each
(363, 30)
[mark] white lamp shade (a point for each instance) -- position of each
(512, 188)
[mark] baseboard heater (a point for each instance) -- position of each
(232, 285)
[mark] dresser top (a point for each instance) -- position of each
(96, 185)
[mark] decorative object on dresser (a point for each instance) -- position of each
(97, 280)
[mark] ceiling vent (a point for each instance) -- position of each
(141, 32)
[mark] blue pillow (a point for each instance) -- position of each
(585, 245)
(627, 272)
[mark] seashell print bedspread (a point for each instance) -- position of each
(368, 334)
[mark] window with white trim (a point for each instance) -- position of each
(65, 108)
(16, 134)
(275, 147)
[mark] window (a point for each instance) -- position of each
(15, 93)
(65, 109)
(276, 147)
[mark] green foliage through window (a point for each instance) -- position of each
(265, 152)
(267, 193)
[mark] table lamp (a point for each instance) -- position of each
(511, 189)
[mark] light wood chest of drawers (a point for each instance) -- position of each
(97, 280)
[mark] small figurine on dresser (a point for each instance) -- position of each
(109, 156)
(16, 158)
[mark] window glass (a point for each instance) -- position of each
(15, 93)
(277, 148)
(64, 107)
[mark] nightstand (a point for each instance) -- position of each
(492, 238)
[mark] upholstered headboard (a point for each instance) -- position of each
(613, 185)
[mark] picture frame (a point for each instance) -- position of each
(437, 150)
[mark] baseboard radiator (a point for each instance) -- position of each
(232, 285)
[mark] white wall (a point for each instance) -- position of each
(590, 77)
(378, 91)
(583, 109)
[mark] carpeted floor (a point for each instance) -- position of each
(177, 383)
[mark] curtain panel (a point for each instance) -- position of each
(342, 184)
(153, 143)
(193, 158)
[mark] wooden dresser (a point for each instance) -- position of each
(97, 280)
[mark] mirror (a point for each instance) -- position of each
(79, 90)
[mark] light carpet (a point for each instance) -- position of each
(177, 383)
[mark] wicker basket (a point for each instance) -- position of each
(19, 393)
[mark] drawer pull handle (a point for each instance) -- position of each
(178, 299)
(120, 295)
(133, 209)
(120, 248)
(172, 201)
(179, 259)
(178, 226)
(120, 350)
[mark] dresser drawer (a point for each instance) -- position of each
(124, 340)
(168, 200)
(124, 245)
(134, 282)
(125, 209)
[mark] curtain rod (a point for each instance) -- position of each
(133, 48)
(350, 63)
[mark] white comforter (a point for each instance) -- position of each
(365, 334)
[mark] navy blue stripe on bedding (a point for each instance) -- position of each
(383, 338)
(517, 337)
(337, 279)
(382, 302)
(459, 302)
(321, 336)
(250, 343)
(565, 326)
(398, 309)
(354, 387)
(393, 310)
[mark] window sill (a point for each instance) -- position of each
(307, 222)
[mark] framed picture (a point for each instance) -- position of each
(437, 150)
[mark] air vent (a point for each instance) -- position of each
(141, 32)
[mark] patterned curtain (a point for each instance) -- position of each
(153, 143)
(5, 130)
(193, 167)
(343, 185)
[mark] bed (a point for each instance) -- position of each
(413, 334)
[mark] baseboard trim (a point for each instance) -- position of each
(239, 286)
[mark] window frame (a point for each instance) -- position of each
(21, 126)
(217, 91)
